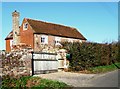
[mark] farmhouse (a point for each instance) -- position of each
(37, 34)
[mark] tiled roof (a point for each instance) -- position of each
(10, 36)
(54, 29)
(41, 27)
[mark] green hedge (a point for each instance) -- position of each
(86, 55)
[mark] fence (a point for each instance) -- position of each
(44, 62)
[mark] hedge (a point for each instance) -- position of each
(88, 54)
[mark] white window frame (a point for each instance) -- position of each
(57, 40)
(25, 26)
(45, 37)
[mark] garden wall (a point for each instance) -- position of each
(16, 63)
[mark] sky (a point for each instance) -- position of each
(97, 21)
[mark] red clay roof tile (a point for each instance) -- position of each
(54, 29)
(41, 27)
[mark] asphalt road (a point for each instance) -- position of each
(109, 79)
(105, 80)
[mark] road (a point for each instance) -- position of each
(105, 80)
(109, 79)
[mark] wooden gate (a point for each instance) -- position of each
(44, 62)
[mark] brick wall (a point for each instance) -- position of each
(26, 36)
(51, 40)
(8, 48)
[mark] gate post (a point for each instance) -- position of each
(32, 63)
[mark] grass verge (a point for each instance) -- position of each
(32, 83)
(103, 69)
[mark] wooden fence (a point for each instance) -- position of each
(44, 62)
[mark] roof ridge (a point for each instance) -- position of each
(51, 23)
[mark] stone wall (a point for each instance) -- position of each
(51, 42)
(16, 63)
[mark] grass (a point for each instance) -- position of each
(103, 69)
(32, 83)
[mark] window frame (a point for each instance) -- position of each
(57, 40)
(25, 26)
(44, 39)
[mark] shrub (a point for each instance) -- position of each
(87, 54)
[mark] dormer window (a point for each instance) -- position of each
(25, 26)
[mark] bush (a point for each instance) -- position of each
(86, 55)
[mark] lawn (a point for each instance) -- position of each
(103, 69)
(32, 83)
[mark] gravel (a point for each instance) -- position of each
(74, 79)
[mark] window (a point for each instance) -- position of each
(57, 40)
(25, 26)
(44, 39)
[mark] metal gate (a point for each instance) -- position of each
(44, 62)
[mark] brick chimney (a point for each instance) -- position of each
(15, 19)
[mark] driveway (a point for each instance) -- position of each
(84, 80)
(109, 79)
